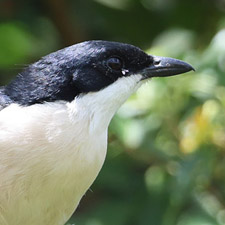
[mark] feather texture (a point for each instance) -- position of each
(51, 153)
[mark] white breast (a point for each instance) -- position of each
(51, 153)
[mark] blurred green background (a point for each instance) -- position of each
(165, 162)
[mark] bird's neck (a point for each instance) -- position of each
(101, 106)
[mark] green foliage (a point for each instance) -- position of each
(165, 162)
(15, 44)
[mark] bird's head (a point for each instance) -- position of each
(89, 67)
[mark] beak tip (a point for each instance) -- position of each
(190, 68)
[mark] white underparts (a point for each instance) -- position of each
(51, 153)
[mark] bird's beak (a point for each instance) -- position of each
(164, 66)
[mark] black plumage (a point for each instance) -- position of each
(77, 69)
(81, 68)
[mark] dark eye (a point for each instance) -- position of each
(115, 63)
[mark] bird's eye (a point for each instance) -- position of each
(115, 63)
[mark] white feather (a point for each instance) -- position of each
(51, 153)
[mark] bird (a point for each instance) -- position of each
(54, 119)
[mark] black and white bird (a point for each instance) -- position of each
(54, 119)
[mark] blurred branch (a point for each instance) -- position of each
(58, 12)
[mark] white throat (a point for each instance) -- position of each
(102, 105)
